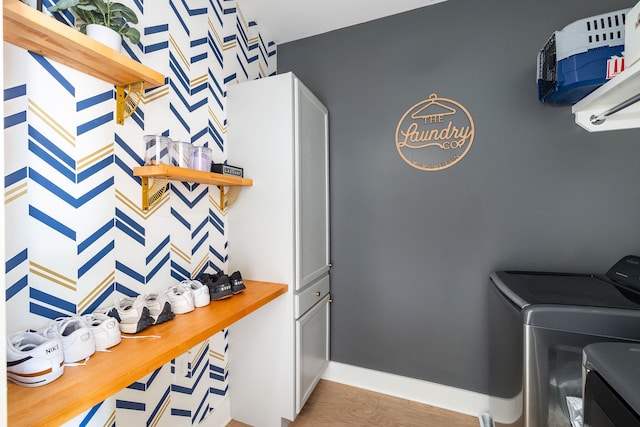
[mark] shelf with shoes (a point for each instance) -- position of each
(153, 190)
(81, 387)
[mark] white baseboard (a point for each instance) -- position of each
(441, 396)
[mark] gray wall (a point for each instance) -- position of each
(412, 250)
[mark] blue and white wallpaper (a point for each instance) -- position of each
(76, 235)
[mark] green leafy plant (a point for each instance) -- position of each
(109, 14)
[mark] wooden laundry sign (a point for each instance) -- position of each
(434, 134)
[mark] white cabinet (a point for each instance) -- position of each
(312, 349)
(279, 232)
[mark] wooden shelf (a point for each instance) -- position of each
(33, 30)
(619, 89)
(82, 387)
(175, 173)
(151, 195)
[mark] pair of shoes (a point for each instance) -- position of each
(105, 330)
(132, 314)
(159, 307)
(222, 286)
(137, 314)
(200, 292)
(78, 343)
(38, 358)
(218, 284)
(33, 360)
(181, 299)
(237, 284)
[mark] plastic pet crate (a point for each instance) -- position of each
(573, 62)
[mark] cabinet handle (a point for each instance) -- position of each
(317, 294)
(330, 300)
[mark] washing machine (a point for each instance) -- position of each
(540, 323)
(610, 384)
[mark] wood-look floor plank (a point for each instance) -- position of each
(333, 404)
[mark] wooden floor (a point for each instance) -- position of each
(334, 404)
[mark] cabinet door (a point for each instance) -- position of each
(312, 187)
(312, 350)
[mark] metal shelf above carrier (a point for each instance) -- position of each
(155, 180)
(614, 105)
(602, 117)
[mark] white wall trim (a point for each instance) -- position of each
(441, 396)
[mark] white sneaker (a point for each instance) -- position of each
(200, 292)
(159, 307)
(105, 330)
(33, 360)
(181, 299)
(131, 313)
(77, 340)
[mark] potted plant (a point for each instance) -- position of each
(96, 15)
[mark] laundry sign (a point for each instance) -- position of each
(434, 134)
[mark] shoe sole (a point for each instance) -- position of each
(237, 289)
(36, 379)
(183, 309)
(108, 342)
(217, 296)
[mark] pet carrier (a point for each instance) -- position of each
(573, 62)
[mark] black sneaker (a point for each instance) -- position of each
(218, 284)
(237, 284)
(205, 278)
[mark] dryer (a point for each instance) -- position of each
(540, 323)
(610, 384)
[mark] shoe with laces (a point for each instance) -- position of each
(237, 284)
(105, 330)
(200, 292)
(219, 285)
(131, 313)
(181, 299)
(159, 307)
(33, 360)
(78, 342)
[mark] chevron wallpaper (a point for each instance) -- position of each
(76, 235)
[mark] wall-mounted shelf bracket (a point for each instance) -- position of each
(154, 192)
(128, 98)
(229, 197)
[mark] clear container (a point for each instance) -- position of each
(180, 153)
(201, 159)
(156, 150)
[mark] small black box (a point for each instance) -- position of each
(226, 169)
